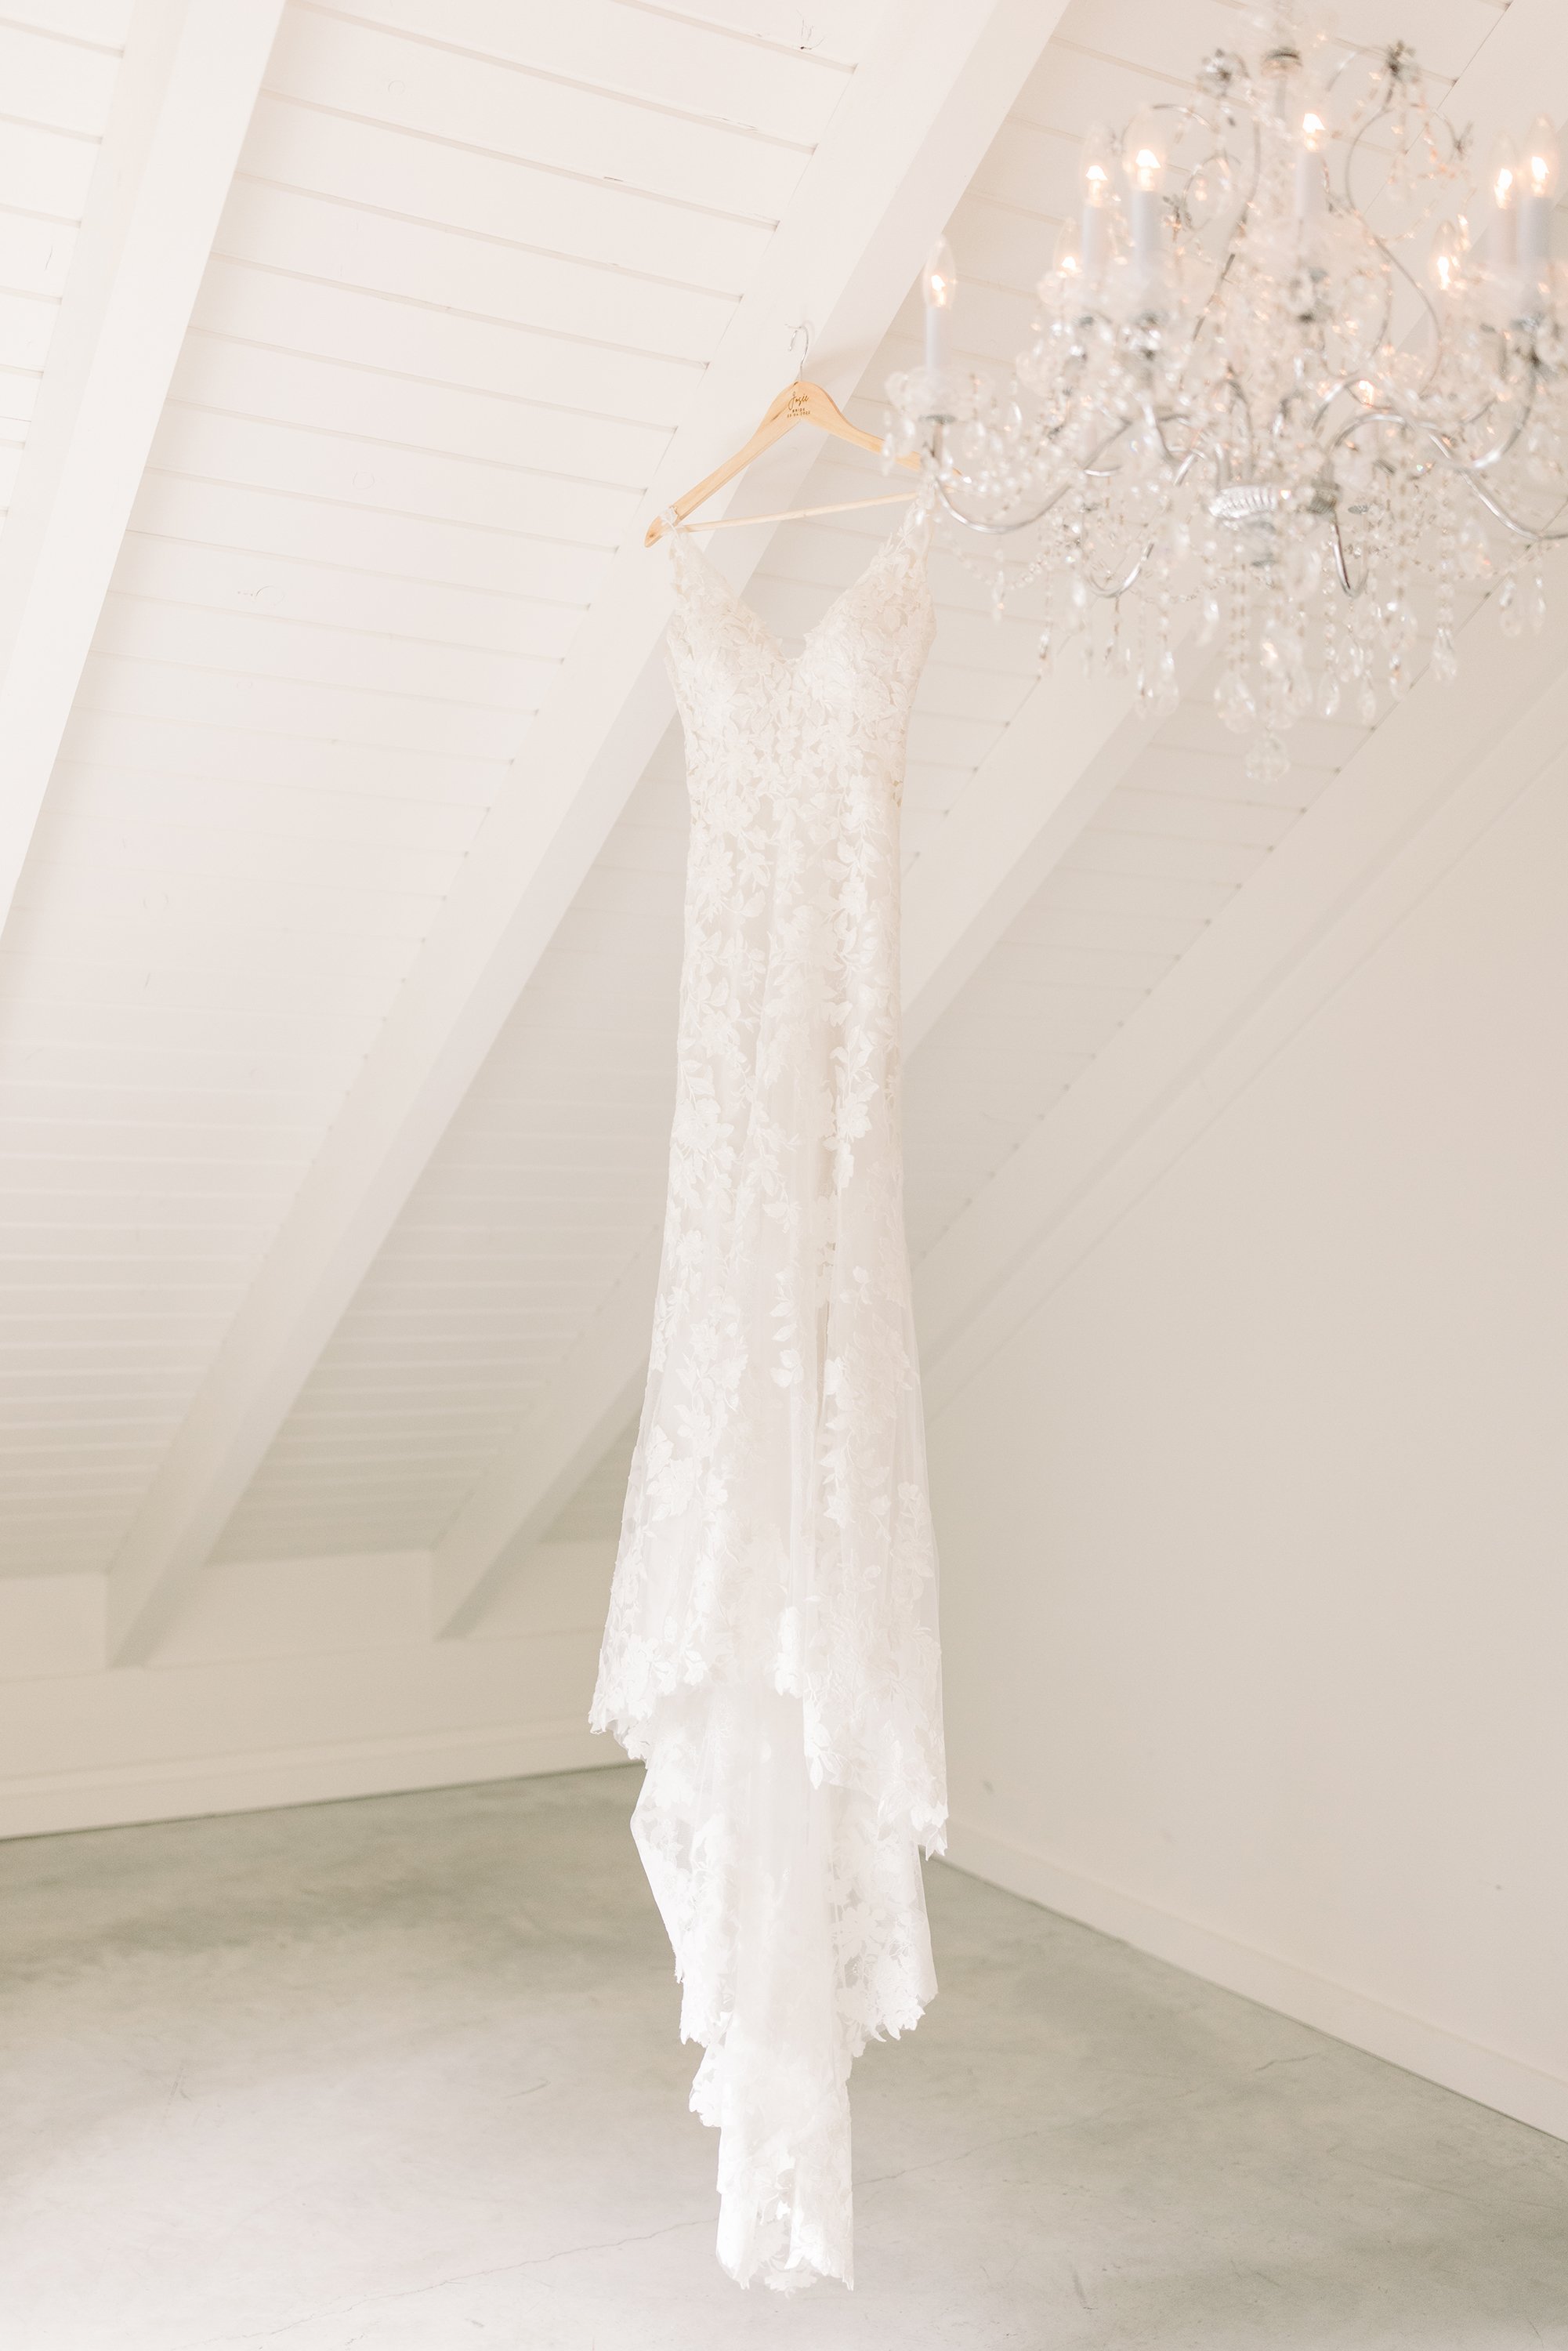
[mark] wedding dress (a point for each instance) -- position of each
(771, 1648)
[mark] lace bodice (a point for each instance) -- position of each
(771, 1647)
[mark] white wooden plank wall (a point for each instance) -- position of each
(58, 61)
(477, 258)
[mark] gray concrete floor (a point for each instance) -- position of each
(404, 2074)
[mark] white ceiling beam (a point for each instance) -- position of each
(915, 122)
(184, 97)
(1057, 764)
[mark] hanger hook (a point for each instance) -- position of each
(801, 334)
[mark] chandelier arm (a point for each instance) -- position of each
(1531, 388)
(1495, 456)
(1394, 262)
(1176, 106)
(1466, 470)
(1239, 400)
(1386, 317)
(1351, 51)
(1282, 415)
(1468, 467)
(1182, 465)
(1526, 531)
(1342, 562)
(1431, 308)
(994, 530)
(1110, 595)
(1334, 393)
(1090, 466)
(1245, 214)
(1353, 149)
(1213, 296)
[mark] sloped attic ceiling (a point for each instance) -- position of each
(337, 998)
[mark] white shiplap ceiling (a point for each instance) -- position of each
(60, 61)
(453, 312)
(480, 261)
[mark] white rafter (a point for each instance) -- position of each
(186, 88)
(915, 121)
(1028, 802)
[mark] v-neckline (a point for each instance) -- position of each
(789, 662)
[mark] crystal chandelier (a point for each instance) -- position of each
(1292, 367)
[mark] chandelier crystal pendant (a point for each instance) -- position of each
(1294, 364)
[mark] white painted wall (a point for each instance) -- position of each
(1254, 1534)
(294, 1681)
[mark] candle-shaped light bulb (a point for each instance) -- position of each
(1537, 189)
(939, 279)
(939, 285)
(1502, 172)
(1097, 169)
(1311, 176)
(1067, 260)
(1145, 149)
(1538, 165)
(1097, 175)
(1445, 263)
(1144, 153)
(1502, 181)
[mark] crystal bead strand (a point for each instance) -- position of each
(1167, 691)
(1329, 689)
(1445, 661)
(1232, 697)
(1401, 614)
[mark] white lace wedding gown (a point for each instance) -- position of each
(772, 1647)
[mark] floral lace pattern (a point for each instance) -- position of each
(771, 1647)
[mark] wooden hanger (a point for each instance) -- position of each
(798, 404)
